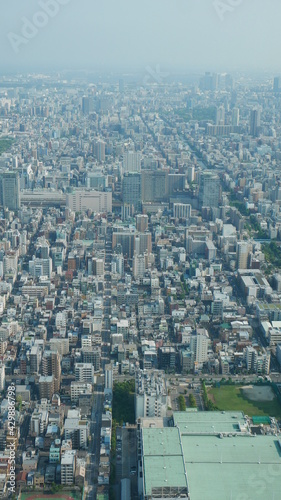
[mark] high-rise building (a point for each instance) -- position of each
(84, 372)
(41, 267)
(99, 150)
(209, 190)
(131, 161)
(199, 344)
(143, 243)
(154, 185)
(276, 84)
(2, 377)
(10, 190)
(141, 223)
(181, 211)
(108, 374)
(51, 366)
(255, 121)
(126, 239)
(34, 359)
(68, 465)
(209, 81)
(220, 115)
(87, 105)
(151, 395)
(235, 117)
(243, 250)
(98, 267)
(132, 190)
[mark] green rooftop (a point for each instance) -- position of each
(236, 466)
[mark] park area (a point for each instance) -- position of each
(252, 400)
(56, 496)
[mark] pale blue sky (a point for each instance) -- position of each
(182, 34)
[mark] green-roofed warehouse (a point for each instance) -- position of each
(209, 456)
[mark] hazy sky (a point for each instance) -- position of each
(189, 35)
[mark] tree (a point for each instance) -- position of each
(181, 401)
(192, 401)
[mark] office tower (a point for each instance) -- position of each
(176, 182)
(190, 174)
(51, 367)
(126, 240)
(229, 83)
(127, 211)
(98, 267)
(40, 267)
(255, 121)
(220, 115)
(181, 211)
(86, 105)
(276, 84)
(10, 190)
(132, 190)
(143, 243)
(209, 82)
(243, 250)
(99, 150)
(154, 185)
(235, 117)
(44, 251)
(131, 162)
(209, 190)
(97, 181)
(141, 223)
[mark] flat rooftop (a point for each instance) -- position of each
(216, 422)
(238, 466)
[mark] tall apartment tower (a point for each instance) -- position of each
(209, 190)
(141, 223)
(255, 121)
(242, 255)
(10, 190)
(51, 366)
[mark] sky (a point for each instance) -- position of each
(184, 35)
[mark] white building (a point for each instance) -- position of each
(84, 372)
(131, 162)
(108, 377)
(41, 267)
(82, 200)
(78, 388)
(199, 345)
(151, 396)
(181, 211)
(68, 463)
(2, 377)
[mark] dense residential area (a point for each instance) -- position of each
(140, 287)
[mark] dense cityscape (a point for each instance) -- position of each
(140, 280)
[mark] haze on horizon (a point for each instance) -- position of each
(187, 35)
